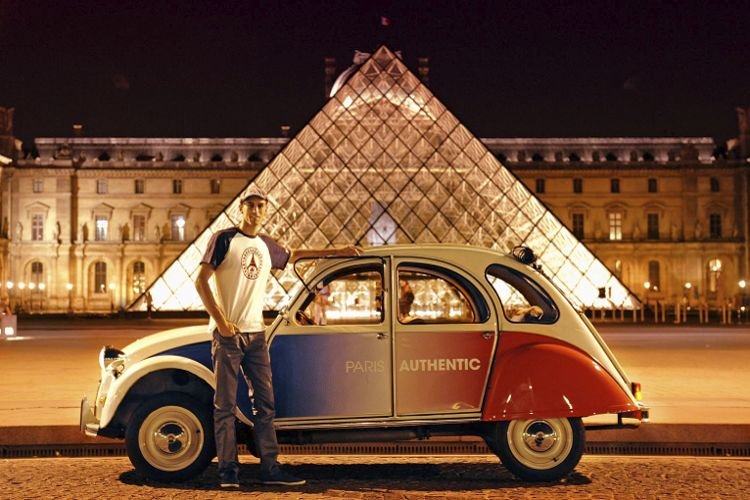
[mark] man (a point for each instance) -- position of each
(240, 260)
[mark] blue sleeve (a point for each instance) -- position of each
(218, 247)
(279, 255)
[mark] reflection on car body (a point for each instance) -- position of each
(462, 360)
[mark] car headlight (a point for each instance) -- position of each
(109, 357)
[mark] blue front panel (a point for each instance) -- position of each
(331, 375)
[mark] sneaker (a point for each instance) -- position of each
(278, 477)
(229, 479)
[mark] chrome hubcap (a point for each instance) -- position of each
(539, 436)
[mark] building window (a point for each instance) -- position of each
(714, 270)
(37, 227)
(652, 185)
(139, 228)
(140, 186)
(614, 185)
(577, 185)
(618, 268)
(715, 187)
(100, 277)
(178, 228)
(578, 226)
(652, 224)
(101, 186)
(37, 273)
(139, 277)
(177, 186)
(102, 223)
(215, 186)
(37, 185)
(654, 275)
(615, 226)
(714, 227)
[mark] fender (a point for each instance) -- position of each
(540, 377)
(122, 385)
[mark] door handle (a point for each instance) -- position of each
(381, 336)
(488, 335)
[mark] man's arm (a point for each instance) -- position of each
(226, 329)
(347, 251)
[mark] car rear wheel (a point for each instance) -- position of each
(170, 438)
(539, 449)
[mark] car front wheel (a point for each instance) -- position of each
(170, 438)
(545, 449)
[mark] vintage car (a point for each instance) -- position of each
(403, 342)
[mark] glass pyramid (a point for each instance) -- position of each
(385, 162)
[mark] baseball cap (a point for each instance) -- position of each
(254, 191)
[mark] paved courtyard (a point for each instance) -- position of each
(388, 477)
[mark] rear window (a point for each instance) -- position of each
(523, 300)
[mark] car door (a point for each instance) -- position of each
(445, 338)
(331, 358)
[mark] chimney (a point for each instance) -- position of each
(329, 74)
(423, 70)
(285, 130)
(77, 130)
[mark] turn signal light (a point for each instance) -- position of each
(636, 388)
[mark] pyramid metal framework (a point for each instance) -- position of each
(385, 162)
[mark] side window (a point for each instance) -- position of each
(523, 300)
(350, 297)
(427, 295)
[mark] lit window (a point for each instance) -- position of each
(37, 273)
(578, 226)
(654, 274)
(101, 186)
(615, 226)
(139, 186)
(37, 185)
(178, 227)
(100, 277)
(37, 227)
(618, 268)
(139, 277)
(540, 186)
(102, 224)
(614, 185)
(652, 186)
(139, 228)
(215, 186)
(177, 186)
(577, 185)
(714, 270)
(652, 221)
(715, 187)
(714, 221)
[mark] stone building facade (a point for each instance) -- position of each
(89, 223)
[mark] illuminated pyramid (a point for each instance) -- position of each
(385, 162)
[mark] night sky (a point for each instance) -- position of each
(505, 68)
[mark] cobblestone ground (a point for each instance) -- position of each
(389, 477)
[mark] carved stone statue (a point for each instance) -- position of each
(698, 232)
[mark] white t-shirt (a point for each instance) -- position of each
(242, 265)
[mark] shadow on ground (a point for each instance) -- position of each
(364, 477)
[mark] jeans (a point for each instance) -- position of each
(248, 352)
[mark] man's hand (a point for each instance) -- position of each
(227, 329)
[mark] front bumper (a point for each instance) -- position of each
(89, 424)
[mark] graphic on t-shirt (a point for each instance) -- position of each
(251, 262)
